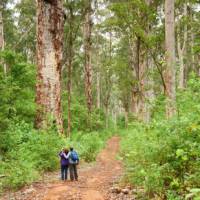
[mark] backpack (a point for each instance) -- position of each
(74, 156)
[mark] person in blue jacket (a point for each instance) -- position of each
(73, 162)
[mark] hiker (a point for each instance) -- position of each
(64, 162)
(73, 162)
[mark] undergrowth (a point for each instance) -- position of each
(28, 153)
(162, 158)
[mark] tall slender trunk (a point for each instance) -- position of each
(192, 42)
(98, 91)
(126, 117)
(140, 93)
(181, 48)
(170, 59)
(69, 71)
(69, 89)
(1, 28)
(149, 90)
(98, 76)
(192, 51)
(88, 52)
(135, 62)
(107, 115)
(108, 81)
(50, 23)
(142, 82)
(145, 81)
(2, 42)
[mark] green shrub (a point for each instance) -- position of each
(28, 153)
(89, 144)
(163, 157)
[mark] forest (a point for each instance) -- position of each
(80, 72)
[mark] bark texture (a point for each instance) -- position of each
(135, 66)
(1, 28)
(146, 82)
(50, 23)
(170, 59)
(98, 75)
(2, 42)
(141, 67)
(181, 49)
(98, 91)
(70, 56)
(88, 52)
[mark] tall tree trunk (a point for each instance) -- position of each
(107, 115)
(192, 40)
(1, 28)
(98, 75)
(141, 71)
(181, 48)
(87, 49)
(69, 71)
(50, 23)
(98, 91)
(145, 81)
(126, 117)
(2, 42)
(150, 95)
(170, 59)
(192, 51)
(142, 83)
(69, 87)
(135, 66)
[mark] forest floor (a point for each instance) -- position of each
(96, 181)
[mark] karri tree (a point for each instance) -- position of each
(170, 72)
(2, 33)
(87, 32)
(50, 23)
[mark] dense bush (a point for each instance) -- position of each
(89, 144)
(79, 116)
(25, 153)
(28, 153)
(163, 157)
(16, 89)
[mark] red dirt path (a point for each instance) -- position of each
(94, 181)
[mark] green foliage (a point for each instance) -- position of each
(28, 153)
(79, 116)
(163, 156)
(89, 144)
(16, 89)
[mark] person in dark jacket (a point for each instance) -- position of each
(73, 162)
(64, 163)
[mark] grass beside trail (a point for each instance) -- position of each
(162, 158)
(31, 153)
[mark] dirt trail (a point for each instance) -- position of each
(94, 181)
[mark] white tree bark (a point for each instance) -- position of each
(145, 80)
(181, 48)
(2, 42)
(98, 75)
(88, 53)
(1, 28)
(50, 23)
(133, 45)
(170, 59)
(98, 91)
